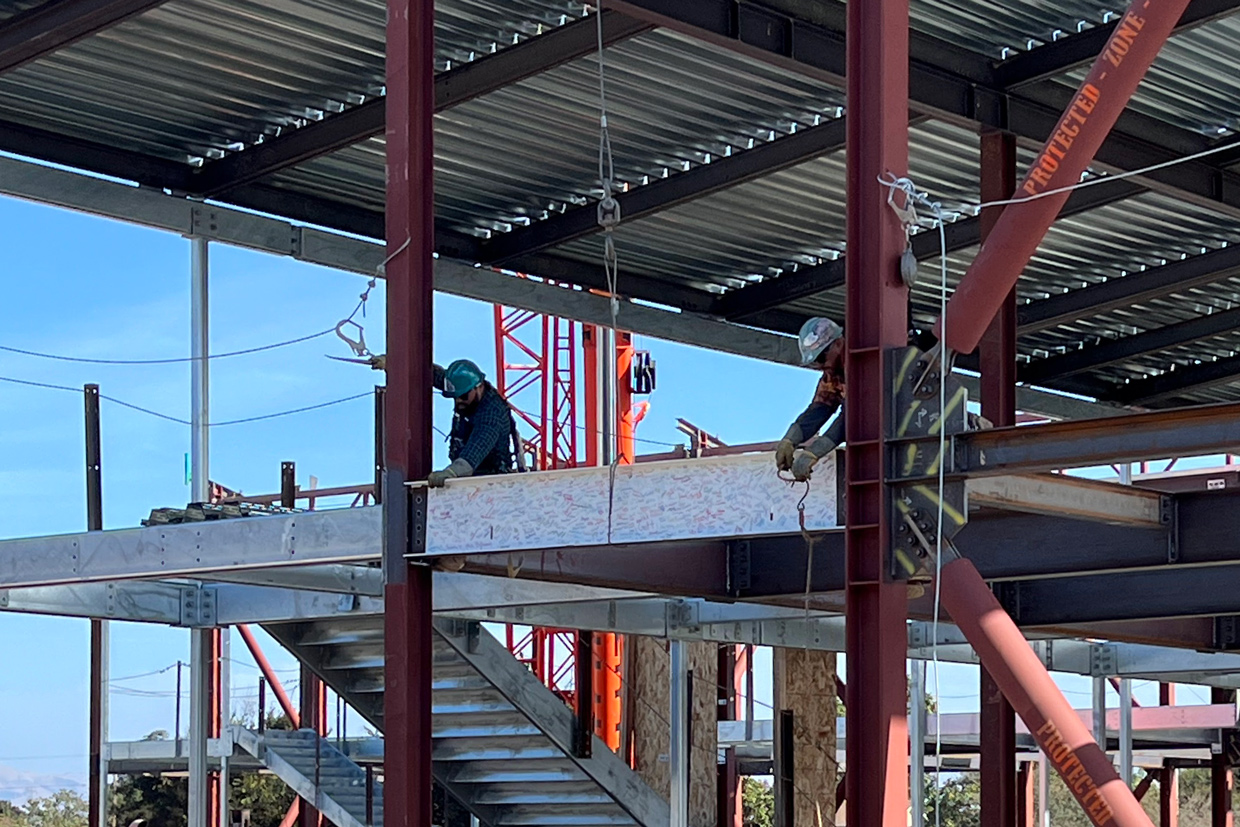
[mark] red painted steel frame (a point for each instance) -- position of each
(1067, 742)
(999, 807)
(410, 231)
(1068, 151)
(876, 316)
(1221, 813)
(264, 666)
(1169, 783)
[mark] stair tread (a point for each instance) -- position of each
(486, 746)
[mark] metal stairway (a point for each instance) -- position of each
(503, 742)
(318, 772)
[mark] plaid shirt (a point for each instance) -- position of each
(482, 437)
(828, 397)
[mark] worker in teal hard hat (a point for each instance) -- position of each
(484, 437)
(821, 342)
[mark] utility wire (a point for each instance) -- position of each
(180, 421)
(173, 361)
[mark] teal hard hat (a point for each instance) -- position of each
(461, 377)
(816, 335)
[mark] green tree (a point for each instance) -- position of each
(757, 803)
(159, 801)
(956, 801)
(11, 815)
(65, 808)
(265, 796)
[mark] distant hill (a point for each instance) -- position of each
(19, 786)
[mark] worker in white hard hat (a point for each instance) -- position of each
(822, 345)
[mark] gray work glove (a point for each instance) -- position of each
(803, 465)
(458, 468)
(787, 447)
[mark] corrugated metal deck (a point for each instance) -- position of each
(193, 81)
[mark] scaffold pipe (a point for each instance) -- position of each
(1068, 151)
(1066, 741)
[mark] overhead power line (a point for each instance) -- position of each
(173, 361)
(186, 422)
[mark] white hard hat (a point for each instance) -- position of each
(816, 335)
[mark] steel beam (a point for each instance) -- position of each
(340, 536)
(1221, 814)
(876, 308)
(1078, 49)
(1141, 595)
(410, 235)
(1134, 288)
(1004, 546)
(1110, 351)
(1169, 781)
(749, 302)
(963, 91)
(48, 27)
(691, 568)
(680, 725)
(199, 725)
(678, 188)
(155, 209)
(1181, 433)
(917, 742)
(997, 358)
(452, 88)
(330, 578)
(1063, 496)
(32, 142)
(1164, 388)
(151, 602)
(100, 637)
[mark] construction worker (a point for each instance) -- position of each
(483, 429)
(821, 342)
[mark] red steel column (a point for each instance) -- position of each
(1169, 783)
(1098, 102)
(998, 364)
(1220, 773)
(875, 321)
(410, 231)
(1025, 799)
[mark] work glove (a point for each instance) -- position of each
(458, 468)
(787, 447)
(803, 465)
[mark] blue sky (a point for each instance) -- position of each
(89, 287)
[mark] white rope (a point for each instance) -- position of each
(938, 538)
(907, 212)
(975, 209)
